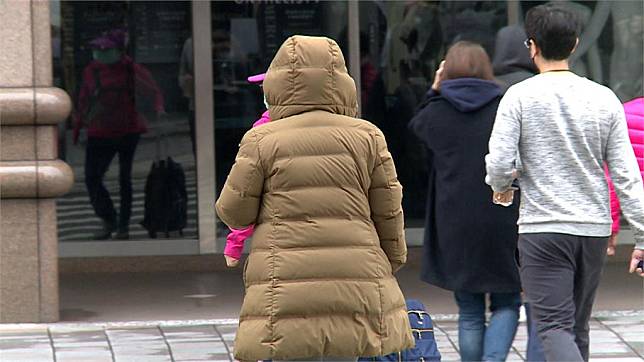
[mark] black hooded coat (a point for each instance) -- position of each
(469, 242)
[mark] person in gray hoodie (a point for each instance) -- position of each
(511, 62)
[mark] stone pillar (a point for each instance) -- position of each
(31, 176)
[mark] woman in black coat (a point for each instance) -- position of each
(470, 243)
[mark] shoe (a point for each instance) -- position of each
(122, 235)
(106, 232)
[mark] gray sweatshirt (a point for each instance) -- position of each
(565, 128)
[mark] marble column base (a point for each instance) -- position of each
(28, 261)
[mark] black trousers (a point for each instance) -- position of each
(98, 157)
(560, 274)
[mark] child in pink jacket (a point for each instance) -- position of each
(236, 238)
(635, 118)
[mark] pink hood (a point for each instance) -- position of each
(265, 118)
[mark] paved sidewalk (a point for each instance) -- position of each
(615, 336)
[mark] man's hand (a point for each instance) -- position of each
(504, 198)
(612, 244)
(637, 256)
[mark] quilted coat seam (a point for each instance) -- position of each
(315, 187)
(293, 58)
(327, 314)
(382, 313)
(364, 218)
(319, 247)
(393, 209)
(241, 193)
(332, 67)
(260, 164)
(314, 279)
(339, 105)
(273, 312)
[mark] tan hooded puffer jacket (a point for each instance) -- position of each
(321, 187)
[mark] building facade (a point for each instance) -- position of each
(198, 55)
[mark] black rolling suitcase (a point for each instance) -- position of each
(166, 199)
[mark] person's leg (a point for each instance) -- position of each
(548, 277)
(502, 327)
(127, 148)
(590, 261)
(98, 156)
(534, 351)
(471, 325)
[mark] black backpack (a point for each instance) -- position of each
(166, 199)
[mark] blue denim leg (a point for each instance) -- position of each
(502, 327)
(535, 350)
(471, 325)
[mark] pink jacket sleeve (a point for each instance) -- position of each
(235, 241)
(614, 205)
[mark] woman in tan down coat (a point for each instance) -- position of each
(321, 188)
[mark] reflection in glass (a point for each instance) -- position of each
(245, 37)
(405, 42)
(119, 61)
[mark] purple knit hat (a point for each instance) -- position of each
(112, 39)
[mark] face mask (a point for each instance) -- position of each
(265, 102)
(107, 56)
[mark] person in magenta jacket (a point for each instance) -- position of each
(117, 99)
(634, 110)
(236, 238)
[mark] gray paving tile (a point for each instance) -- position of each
(83, 355)
(633, 336)
(446, 357)
(217, 348)
(23, 329)
(228, 332)
(139, 358)
(521, 347)
(612, 358)
(18, 334)
(625, 321)
(213, 358)
(21, 344)
(609, 348)
(638, 346)
(143, 334)
(514, 358)
(27, 356)
(205, 334)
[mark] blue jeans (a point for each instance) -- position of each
(478, 342)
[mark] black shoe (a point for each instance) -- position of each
(106, 232)
(122, 235)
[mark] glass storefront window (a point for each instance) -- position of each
(120, 62)
(402, 43)
(611, 44)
